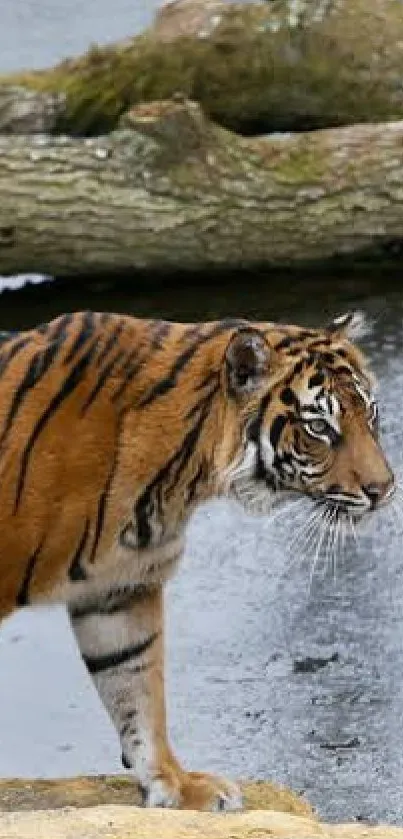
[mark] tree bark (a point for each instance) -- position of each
(169, 190)
(25, 111)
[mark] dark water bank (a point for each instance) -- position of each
(307, 295)
(271, 675)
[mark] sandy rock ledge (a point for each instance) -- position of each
(103, 808)
(124, 822)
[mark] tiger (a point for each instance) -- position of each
(113, 430)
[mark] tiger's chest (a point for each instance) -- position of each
(121, 572)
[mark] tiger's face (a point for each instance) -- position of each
(313, 420)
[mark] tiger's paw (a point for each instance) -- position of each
(193, 791)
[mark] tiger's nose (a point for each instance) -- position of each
(378, 492)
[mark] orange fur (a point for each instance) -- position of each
(112, 430)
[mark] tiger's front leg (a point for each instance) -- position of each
(123, 648)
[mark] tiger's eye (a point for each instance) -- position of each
(318, 426)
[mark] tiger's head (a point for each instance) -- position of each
(310, 418)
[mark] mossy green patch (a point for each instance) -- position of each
(303, 164)
(16, 794)
(258, 71)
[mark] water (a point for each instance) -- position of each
(240, 618)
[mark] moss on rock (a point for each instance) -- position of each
(254, 68)
(19, 794)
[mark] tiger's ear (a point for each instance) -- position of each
(247, 361)
(352, 325)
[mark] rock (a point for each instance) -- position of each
(103, 808)
(188, 18)
(255, 68)
(77, 792)
(124, 822)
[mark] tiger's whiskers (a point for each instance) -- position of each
(326, 519)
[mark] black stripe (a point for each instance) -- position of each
(115, 600)
(112, 340)
(102, 507)
(73, 379)
(276, 429)
(195, 409)
(130, 714)
(194, 434)
(37, 368)
(212, 376)
(126, 727)
(160, 331)
(299, 367)
(23, 594)
(304, 334)
(85, 333)
(316, 379)
(103, 377)
(306, 475)
(289, 397)
(180, 458)
(15, 349)
(76, 571)
(97, 664)
(319, 343)
(169, 381)
(285, 342)
(342, 370)
(132, 372)
(253, 433)
(144, 534)
(134, 362)
(129, 370)
(198, 478)
(254, 428)
(192, 332)
(59, 326)
(100, 521)
(132, 358)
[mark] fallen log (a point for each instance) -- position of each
(170, 190)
